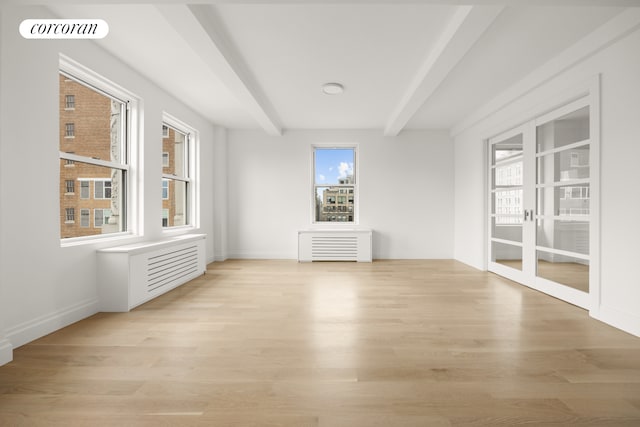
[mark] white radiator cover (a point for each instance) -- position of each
(134, 274)
(335, 245)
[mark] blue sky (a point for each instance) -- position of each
(332, 164)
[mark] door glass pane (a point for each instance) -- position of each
(509, 255)
(507, 228)
(507, 162)
(507, 200)
(565, 165)
(572, 236)
(566, 201)
(569, 271)
(508, 149)
(508, 205)
(573, 127)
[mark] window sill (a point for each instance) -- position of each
(179, 229)
(100, 239)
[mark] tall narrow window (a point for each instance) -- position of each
(70, 102)
(84, 217)
(70, 186)
(334, 184)
(70, 215)
(177, 175)
(69, 130)
(84, 189)
(97, 120)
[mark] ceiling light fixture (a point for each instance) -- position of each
(332, 88)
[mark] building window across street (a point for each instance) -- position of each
(334, 184)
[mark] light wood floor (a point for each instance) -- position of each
(277, 343)
(569, 274)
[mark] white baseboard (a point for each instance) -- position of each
(627, 322)
(6, 351)
(28, 331)
(257, 255)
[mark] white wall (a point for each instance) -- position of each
(618, 64)
(405, 191)
(45, 286)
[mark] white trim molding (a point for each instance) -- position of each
(627, 322)
(40, 326)
(6, 351)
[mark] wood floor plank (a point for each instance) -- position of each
(279, 343)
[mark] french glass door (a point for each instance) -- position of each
(540, 203)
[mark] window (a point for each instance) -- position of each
(101, 217)
(70, 130)
(102, 189)
(178, 165)
(165, 217)
(70, 215)
(84, 217)
(70, 186)
(333, 178)
(70, 102)
(165, 189)
(99, 154)
(84, 189)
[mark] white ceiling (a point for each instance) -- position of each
(404, 64)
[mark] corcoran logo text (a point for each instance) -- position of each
(64, 28)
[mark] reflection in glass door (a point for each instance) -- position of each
(541, 183)
(507, 204)
(563, 149)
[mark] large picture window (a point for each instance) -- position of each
(334, 186)
(97, 119)
(177, 174)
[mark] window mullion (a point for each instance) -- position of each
(93, 161)
(175, 177)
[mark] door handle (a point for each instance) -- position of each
(528, 214)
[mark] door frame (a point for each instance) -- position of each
(591, 94)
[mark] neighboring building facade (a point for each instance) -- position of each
(85, 190)
(337, 203)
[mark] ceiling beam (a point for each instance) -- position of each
(461, 33)
(199, 26)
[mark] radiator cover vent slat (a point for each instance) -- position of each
(171, 267)
(334, 245)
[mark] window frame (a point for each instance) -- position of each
(70, 102)
(70, 186)
(165, 181)
(88, 216)
(191, 173)
(130, 133)
(70, 215)
(104, 188)
(353, 186)
(70, 130)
